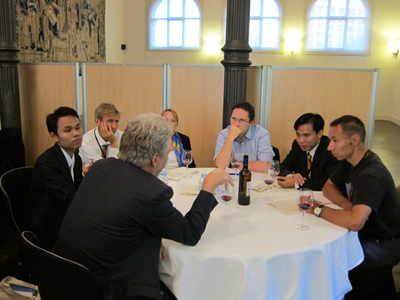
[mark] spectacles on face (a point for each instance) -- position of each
(240, 121)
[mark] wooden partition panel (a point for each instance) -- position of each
(253, 89)
(197, 96)
(330, 93)
(43, 88)
(133, 89)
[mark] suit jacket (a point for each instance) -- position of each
(51, 192)
(322, 166)
(186, 145)
(128, 217)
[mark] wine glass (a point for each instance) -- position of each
(226, 195)
(304, 202)
(187, 159)
(269, 176)
(236, 160)
(277, 168)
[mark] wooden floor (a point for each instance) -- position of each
(385, 143)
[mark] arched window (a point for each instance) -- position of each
(338, 26)
(175, 24)
(265, 25)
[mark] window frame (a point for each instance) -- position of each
(341, 51)
(151, 30)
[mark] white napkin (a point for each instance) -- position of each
(190, 190)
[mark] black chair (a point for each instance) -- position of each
(15, 187)
(57, 277)
(277, 155)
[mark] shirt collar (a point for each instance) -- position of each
(70, 160)
(312, 151)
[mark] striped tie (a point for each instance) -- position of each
(309, 163)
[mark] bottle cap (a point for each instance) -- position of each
(203, 175)
(163, 172)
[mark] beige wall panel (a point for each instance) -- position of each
(133, 89)
(197, 97)
(43, 88)
(253, 89)
(329, 93)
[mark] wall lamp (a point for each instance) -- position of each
(394, 46)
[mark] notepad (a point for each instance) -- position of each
(285, 207)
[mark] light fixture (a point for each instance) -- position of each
(212, 44)
(394, 46)
(293, 41)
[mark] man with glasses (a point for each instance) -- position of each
(243, 137)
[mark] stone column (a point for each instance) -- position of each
(9, 59)
(236, 55)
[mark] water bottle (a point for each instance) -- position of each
(163, 175)
(201, 180)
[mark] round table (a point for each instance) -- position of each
(259, 253)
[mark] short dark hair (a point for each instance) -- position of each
(350, 125)
(52, 119)
(309, 118)
(247, 107)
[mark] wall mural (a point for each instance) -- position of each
(61, 30)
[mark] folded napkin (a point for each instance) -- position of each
(181, 172)
(190, 190)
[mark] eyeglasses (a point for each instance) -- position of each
(240, 121)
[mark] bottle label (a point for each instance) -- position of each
(248, 188)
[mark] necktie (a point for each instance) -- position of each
(104, 154)
(309, 163)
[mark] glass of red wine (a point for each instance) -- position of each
(269, 176)
(236, 161)
(226, 195)
(304, 202)
(277, 168)
(187, 159)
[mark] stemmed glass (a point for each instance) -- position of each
(304, 202)
(236, 159)
(277, 168)
(269, 176)
(187, 159)
(226, 195)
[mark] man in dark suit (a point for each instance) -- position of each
(56, 176)
(309, 163)
(114, 227)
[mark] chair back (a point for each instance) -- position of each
(15, 188)
(277, 155)
(57, 277)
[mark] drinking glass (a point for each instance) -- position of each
(236, 159)
(187, 159)
(277, 168)
(226, 195)
(304, 202)
(269, 178)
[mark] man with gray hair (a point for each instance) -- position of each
(102, 141)
(114, 227)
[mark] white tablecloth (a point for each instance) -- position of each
(260, 254)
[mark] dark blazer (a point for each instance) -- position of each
(51, 193)
(322, 167)
(114, 227)
(186, 145)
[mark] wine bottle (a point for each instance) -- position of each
(244, 183)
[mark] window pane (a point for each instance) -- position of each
(161, 10)
(336, 34)
(175, 8)
(316, 34)
(191, 9)
(356, 9)
(355, 34)
(338, 8)
(270, 31)
(160, 39)
(255, 8)
(192, 32)
(320, 9)
(270, 9)
(254, 33)
(175, 33)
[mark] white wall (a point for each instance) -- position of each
(114, 31)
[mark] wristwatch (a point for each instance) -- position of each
(318, 210)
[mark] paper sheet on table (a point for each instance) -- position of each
(181, 172)
(285, 207)
(190, 190)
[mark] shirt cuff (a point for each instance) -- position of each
(113, 152)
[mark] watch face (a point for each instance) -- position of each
(317, 211)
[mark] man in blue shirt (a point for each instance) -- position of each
(243, 137)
